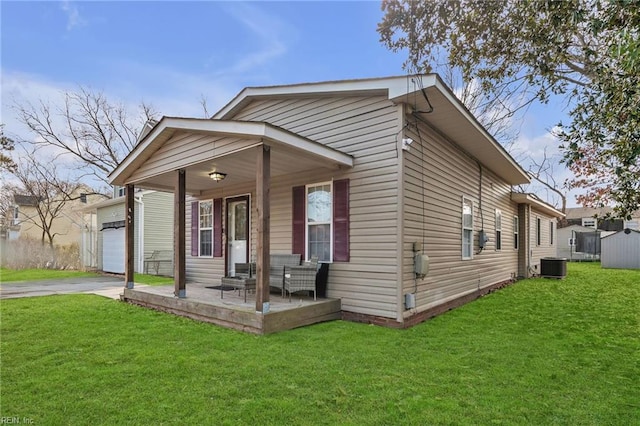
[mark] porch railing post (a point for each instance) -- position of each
(179, 244)
(263, 182)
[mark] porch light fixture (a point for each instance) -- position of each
(217, 176)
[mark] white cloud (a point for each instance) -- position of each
(268, 31)
(537, 147)
(25, 88)
(73, 15)
(532, 149)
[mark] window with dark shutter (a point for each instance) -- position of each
(341, 220)
(339, 224)
(299, 221)
(217, 227)
(194, 228)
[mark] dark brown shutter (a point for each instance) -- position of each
(195, 222)
(341, 220)
(298, 246)
(217, 227)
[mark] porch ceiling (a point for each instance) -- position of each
(290, 153)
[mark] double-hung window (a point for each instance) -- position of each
(206, 228)
(16, 215)
(319, 221)
(516, 227)
(467, 228)
(498, 229)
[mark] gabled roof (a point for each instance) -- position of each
(590, 212)
(587, 212)
(260, 131)
(537, 203)
(624, 231)
(431, 101)
(578, 228)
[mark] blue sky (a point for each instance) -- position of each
(173, 54)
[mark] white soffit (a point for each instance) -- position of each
(266, 132)
(532, 200)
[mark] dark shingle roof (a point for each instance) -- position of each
(25, 200)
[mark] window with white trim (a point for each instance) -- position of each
(551, 232)
(206, 228)
(119, 191)
(516, 230)
(319, 221)
(467, 229)
(16, 215)
(498, 229)
(589, 222)
(538, 231)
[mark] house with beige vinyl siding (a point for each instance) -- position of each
(371, 176)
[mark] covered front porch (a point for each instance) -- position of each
(231, 311)
(198, 157)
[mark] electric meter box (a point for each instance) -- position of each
(421, 264)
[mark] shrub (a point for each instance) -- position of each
(29, 253)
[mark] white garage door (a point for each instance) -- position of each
(113, 250)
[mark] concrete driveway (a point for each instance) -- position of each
(102, 286)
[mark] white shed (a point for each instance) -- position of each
(621, 250)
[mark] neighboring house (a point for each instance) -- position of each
(153, 231)
(621, 250)
(23, 209)
(595, 218)
(67, 226)
(364, 174)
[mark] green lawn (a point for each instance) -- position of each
(17, 275)
(23, 275)
(539, 352)
(152, 279)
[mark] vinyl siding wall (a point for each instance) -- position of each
(437, 177)
(158, 226)
(67, 227)
(365, 127)
(545, 248)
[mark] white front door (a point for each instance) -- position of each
(237, 232)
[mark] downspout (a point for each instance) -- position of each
(528, 239)
(400, 216)
(140, 234)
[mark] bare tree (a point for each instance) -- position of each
(95, 131)
(500, 115)
(6, 144)
(49, 192)
(543, 172)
